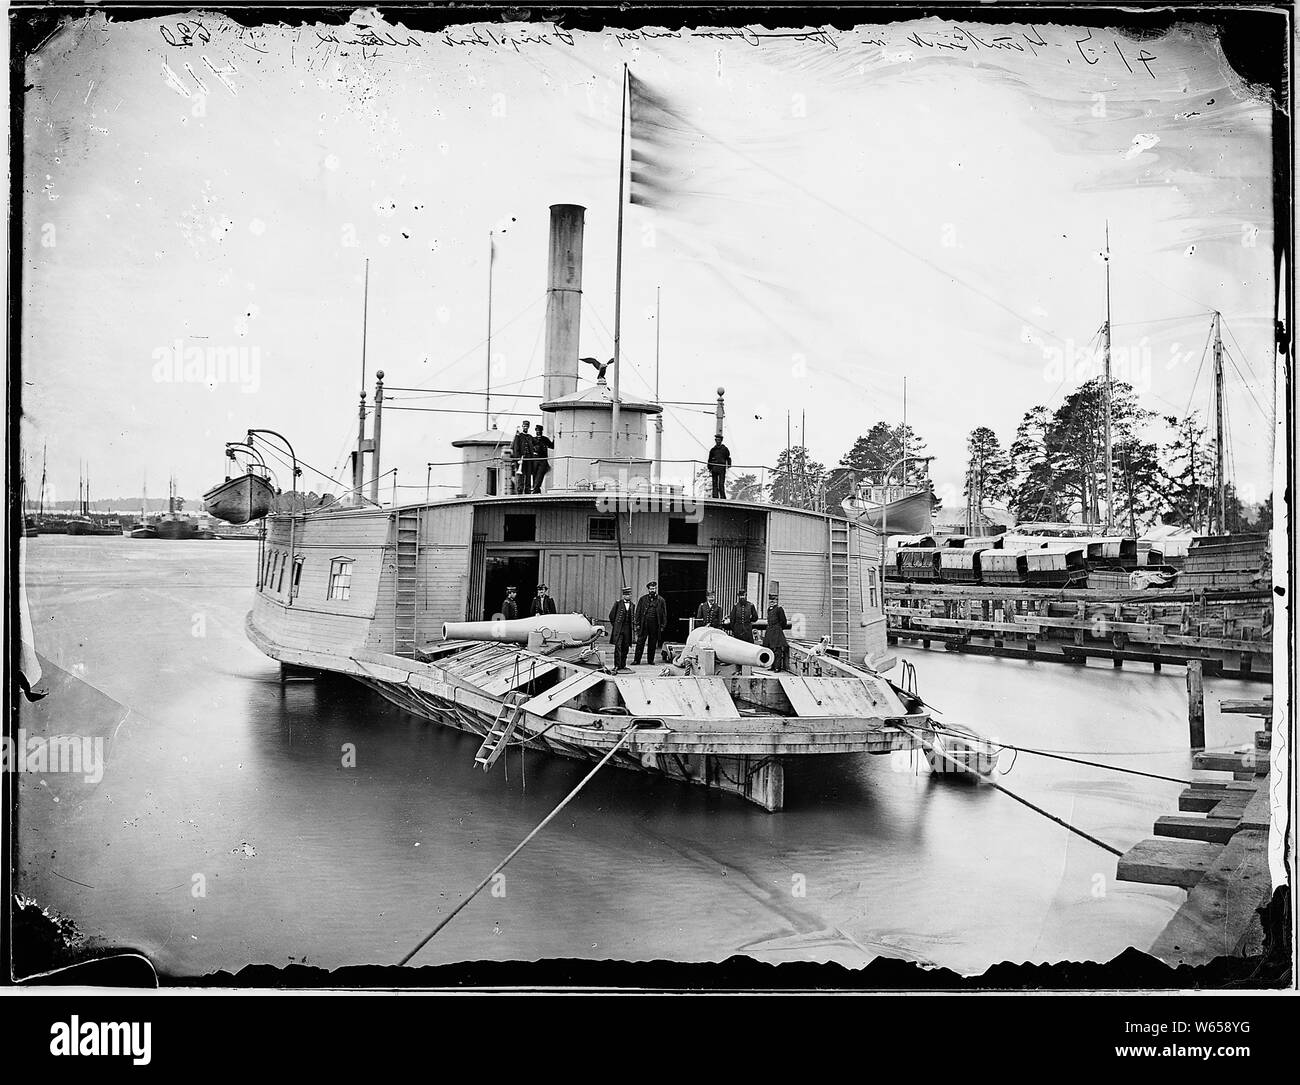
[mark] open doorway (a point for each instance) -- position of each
(518, 568)
(683, 583)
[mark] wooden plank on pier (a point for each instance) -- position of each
(1211, 830)
(1167, 862)
(1202, 798)
(1224, 762)
(1255, 706)
(1218, 918)
(1259, 811)
(1230, 807)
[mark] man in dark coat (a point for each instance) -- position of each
(510, 608)
(622, 621)
(651, 621)
(521, 447)
(541, 444)
(719, 461)
(542, 603)
(709, 613)
(774, 635)
(743, 617)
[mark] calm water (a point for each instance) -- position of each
(218, 779)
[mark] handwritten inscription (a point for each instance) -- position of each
(1087, 51)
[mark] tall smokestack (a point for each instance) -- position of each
(563, 303)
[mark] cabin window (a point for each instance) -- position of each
(520, 527)
(600, 529)
(683, 531)
(340, 578)
(871, 587)
(279, 583)
(297, 575)
(266, 571)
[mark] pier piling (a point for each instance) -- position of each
(1195, 705)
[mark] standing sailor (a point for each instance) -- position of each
(709, 613)
(542, 603)
(622, 619)
(541, 458)
(520, 447)
(774, 635)
(743, 617)
(510, 608)
(719, 461)
(651, 621)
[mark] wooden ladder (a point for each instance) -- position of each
(494, 742)
(838, 559)
(407, 581)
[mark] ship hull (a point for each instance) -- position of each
(239, 500)
(742, 757)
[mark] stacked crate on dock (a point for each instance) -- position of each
(1223, 562)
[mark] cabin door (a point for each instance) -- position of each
(682, 583)
(515, 567)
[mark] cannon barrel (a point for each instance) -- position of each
(729, 649)
(516, 631)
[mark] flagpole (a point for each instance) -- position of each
(618, 268)
(487, 402)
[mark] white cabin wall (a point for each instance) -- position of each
(313, 619)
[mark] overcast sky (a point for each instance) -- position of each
(861, 207)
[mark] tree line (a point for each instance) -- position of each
(1054, 469)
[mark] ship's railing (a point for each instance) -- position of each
(691, 478)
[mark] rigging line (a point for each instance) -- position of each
(1241, 350)
(1204, 350)
(532, 357)
(1246, 384)
(1037, 809)
(1162, 319)
(474, 349)
(519, 847)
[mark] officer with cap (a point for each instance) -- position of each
(743, 617)
(622, 622)
(709, 613)
(774, 635)
(651, 621)
(510, 608)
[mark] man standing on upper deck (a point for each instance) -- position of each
(709, 613)
(541, 444)
(719, 461)
(542, 603)
(521, 446)
(651, 621)
(622, 622)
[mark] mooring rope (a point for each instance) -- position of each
(519, 847)
(1037, 809)
(1073, 760)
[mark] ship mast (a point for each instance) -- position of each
(1220, 488)
(1110, 480)
(618, 266)
(45, 451)
(659, 418)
